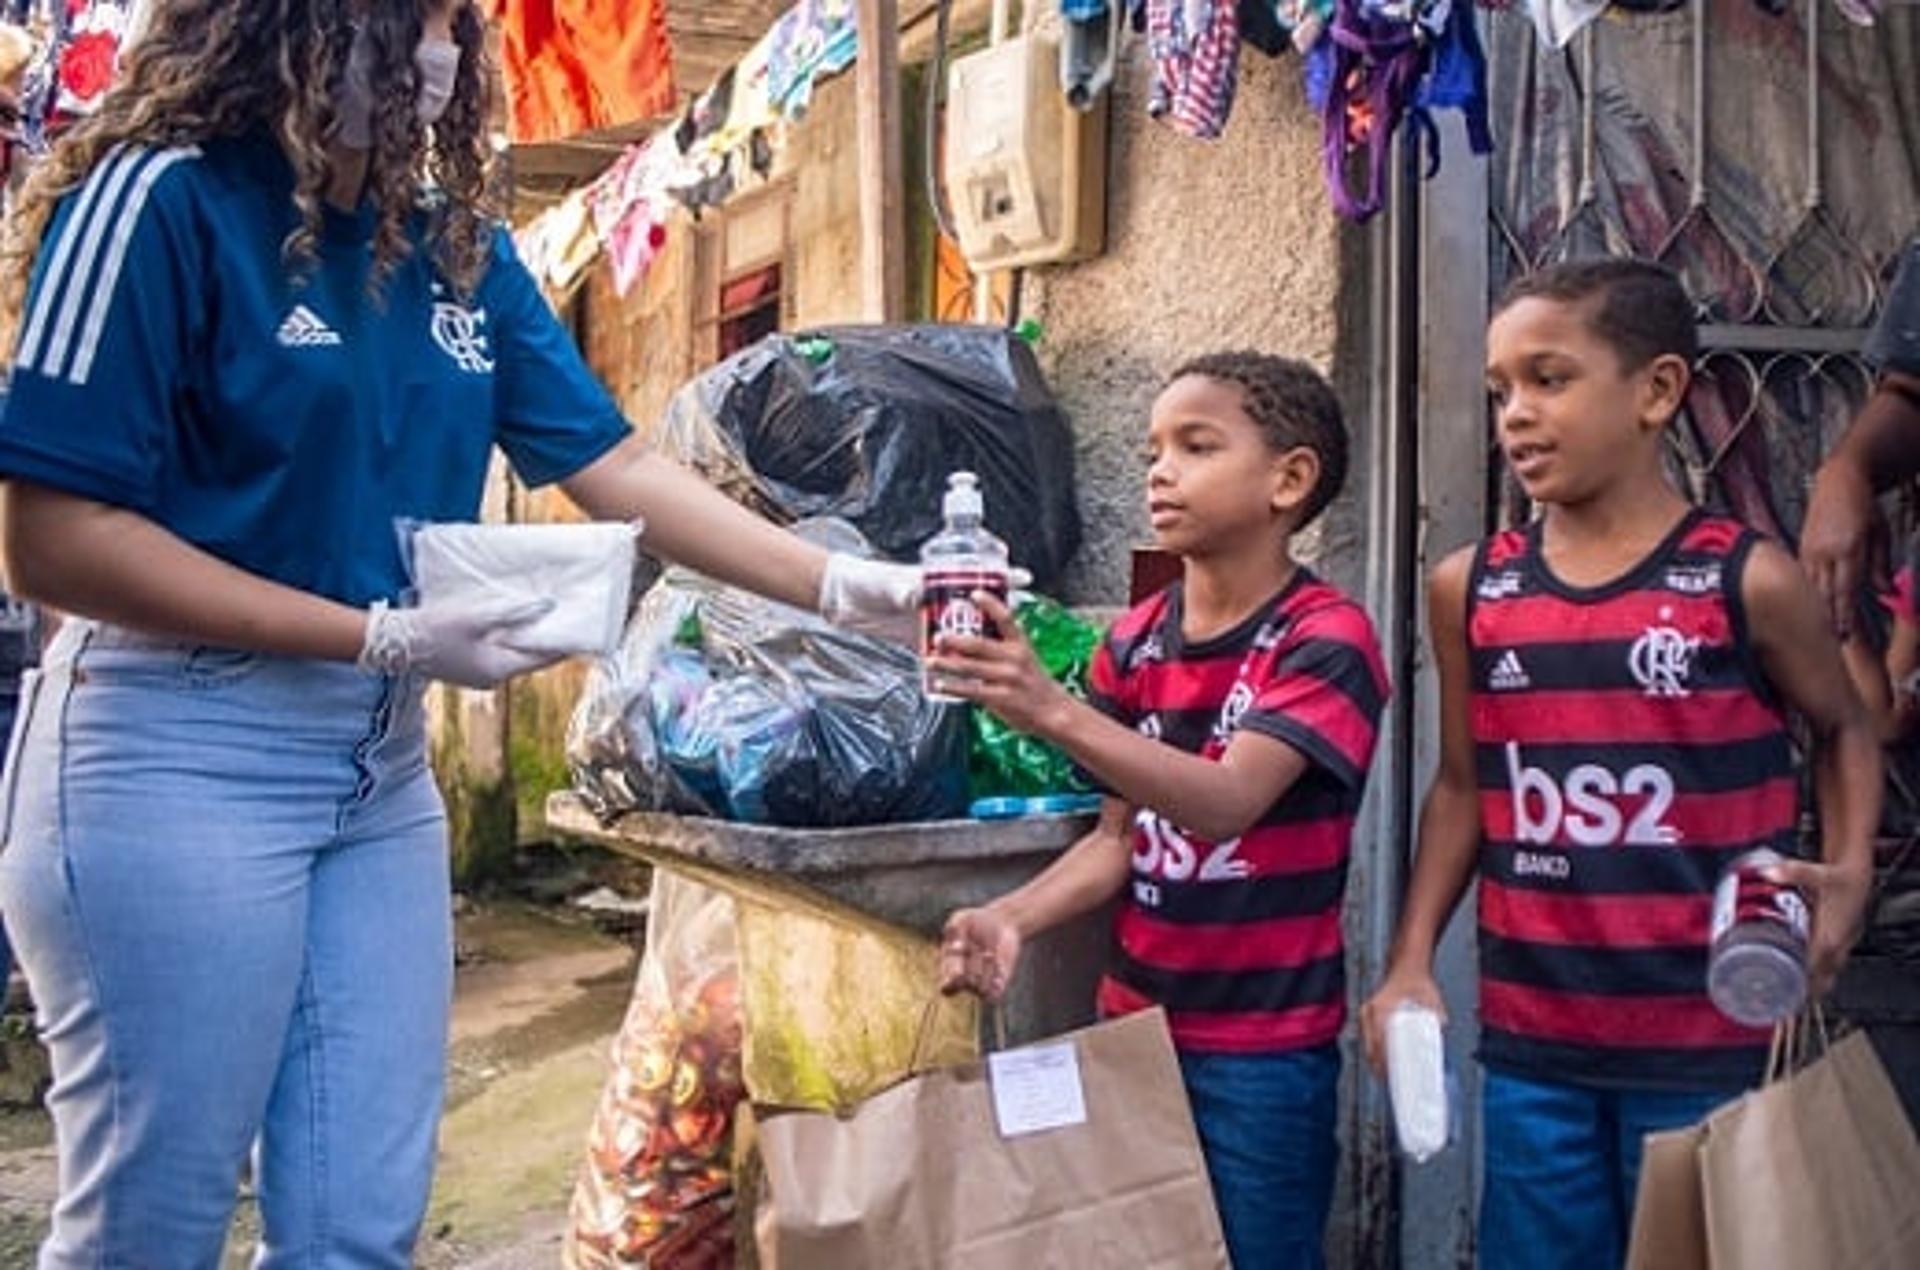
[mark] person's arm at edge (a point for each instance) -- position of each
(78, 555)
(1880, 450)
(1799, 656)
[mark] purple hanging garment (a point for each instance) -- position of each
(1378, 62)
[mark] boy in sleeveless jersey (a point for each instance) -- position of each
(1615, 682)
(1232, 724)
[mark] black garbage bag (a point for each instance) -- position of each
(864, 423)
(721, 703)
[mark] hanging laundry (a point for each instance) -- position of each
(630, 208)
(810, 41)
(558, 245)
(89, 56)
(1456, 78)
(77, 47)
(1368, 80)
(576, 65)
(1195, 48)
(706, 114)
(1307, 20)
(751, 108)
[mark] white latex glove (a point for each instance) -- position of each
(877, 597)
(874, 597)
(470, 643)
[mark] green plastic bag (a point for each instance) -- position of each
(1003, 763)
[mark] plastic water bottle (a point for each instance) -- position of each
(1757, 960)
(962, 558)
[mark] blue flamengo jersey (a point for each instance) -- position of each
(172, 361)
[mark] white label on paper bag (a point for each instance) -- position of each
(1037, 1088)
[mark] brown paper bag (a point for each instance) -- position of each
(1669, 1219)
(921, 1178)
(1821, 1169)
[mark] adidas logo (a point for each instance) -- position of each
(1508, 674)
(303, 328)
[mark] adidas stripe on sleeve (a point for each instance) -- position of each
(113, 305)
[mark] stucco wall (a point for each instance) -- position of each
(1210, 245)
(826, 209)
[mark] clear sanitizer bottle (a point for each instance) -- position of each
(962, 558)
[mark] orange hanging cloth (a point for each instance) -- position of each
(576, 65)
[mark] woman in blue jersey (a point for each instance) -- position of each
(249, 342)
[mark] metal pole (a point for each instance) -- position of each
(883, 271)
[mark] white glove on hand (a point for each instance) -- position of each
(873, 597)
(469, 644)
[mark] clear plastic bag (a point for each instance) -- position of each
(721, 703)
(656, 1188)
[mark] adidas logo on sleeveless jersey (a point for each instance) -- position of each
(1508, 675)
(303, 328)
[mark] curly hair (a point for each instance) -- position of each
(1293, 406)
(210, 69)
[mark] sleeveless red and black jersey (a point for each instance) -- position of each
(1240, 940)
(1627, 749)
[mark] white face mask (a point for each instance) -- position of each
(438, 62)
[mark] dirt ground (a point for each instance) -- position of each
(539, 992)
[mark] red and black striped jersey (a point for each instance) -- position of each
(1628, 747)
(1240, 940)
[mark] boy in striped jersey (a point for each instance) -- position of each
(1232, 723)
(1615, 681)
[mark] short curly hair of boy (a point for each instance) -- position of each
(1294, 407)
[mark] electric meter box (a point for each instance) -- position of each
(1026, 174)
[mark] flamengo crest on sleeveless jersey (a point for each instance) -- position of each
(1240, 940)
(1627, 749)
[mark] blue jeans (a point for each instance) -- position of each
(1562, 1165)
(227, 879)
(1267, 1124)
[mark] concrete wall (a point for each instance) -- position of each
(826, 210)
(1210, 245)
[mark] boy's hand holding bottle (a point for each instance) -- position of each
(1000, 674)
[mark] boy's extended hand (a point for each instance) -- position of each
(1001, 674)
(1839, 900)
(1417, 986)
(979, 952)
